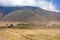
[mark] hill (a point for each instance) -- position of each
(32, 15)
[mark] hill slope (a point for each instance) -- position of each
(32, 15)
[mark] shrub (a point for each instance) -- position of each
(11, 26)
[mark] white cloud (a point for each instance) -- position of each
(47, 5)
(17, 2)
(39, 3)
(24, 2)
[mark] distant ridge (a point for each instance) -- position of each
(31, 14)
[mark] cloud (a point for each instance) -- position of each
(44, 4)
(25, 2)
(50, 6)
(17, 2)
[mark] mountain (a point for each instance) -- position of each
(1, 14)
(7, 10)
(31, 15)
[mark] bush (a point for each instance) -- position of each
(24, 25)
(11, 26)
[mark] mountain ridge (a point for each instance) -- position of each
(31, 14)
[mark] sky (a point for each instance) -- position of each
(50, 5)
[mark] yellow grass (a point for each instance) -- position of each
(25, 34)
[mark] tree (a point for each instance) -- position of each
(11, 26)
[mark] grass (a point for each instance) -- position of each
(26, 34)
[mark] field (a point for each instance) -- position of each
(27, 34)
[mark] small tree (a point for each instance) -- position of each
(11, 26)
